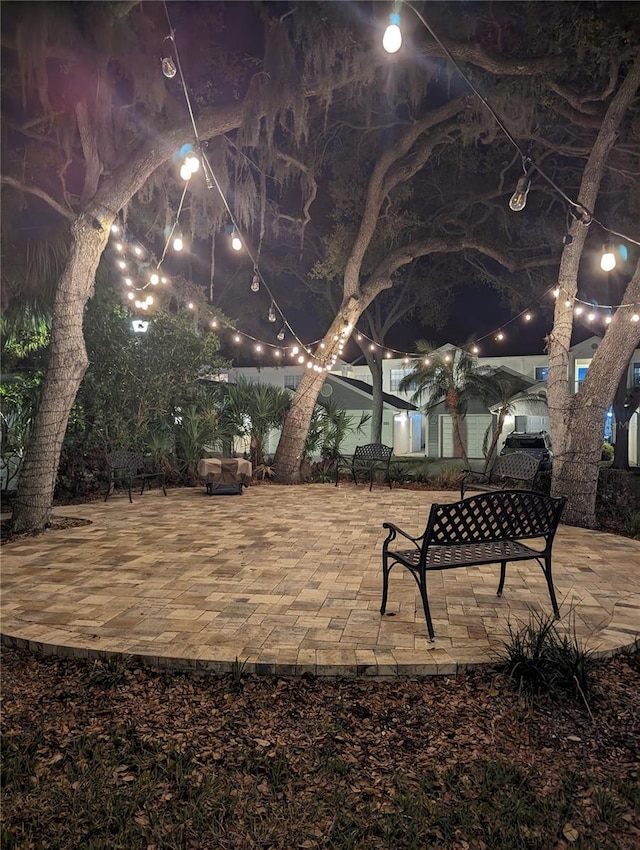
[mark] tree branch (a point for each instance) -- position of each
(39, 193)
(381, 278)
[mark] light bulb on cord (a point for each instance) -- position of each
(608, 259)
(178, 243)
(236, 242)
(519, 198)
(185, 172)
(193, 163)
(169, 67)
(392, 39)
(255, 283)
(280, 334)
(272, 313)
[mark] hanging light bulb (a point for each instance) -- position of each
(178, 243)
(255, 283)
(280, 334)
(392, 39)
(519, 198)
(193, 163)
(608, 259)
(272, 313)
(185, 172)
(154, 280)
(169, 67)
(236, 242)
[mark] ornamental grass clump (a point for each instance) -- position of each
(540, 660)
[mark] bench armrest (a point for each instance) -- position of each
(394, 531)
(472, 476)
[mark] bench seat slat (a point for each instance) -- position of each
(468, 554)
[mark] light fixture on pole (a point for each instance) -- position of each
(608, 258)
(392, 39)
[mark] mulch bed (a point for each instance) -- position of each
(101, 755)
(57, 523)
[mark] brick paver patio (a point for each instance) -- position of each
(288, 579)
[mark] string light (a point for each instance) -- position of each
(519, 198)
(192, 163)
(392, 39)
(608, 259)
(272, 313)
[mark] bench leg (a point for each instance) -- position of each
(385, 584)
(546, 569)
(422, 584)
(503, 572)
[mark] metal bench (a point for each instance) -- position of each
(365, 461)
(483, 529)
(128, 468)
(506, 470)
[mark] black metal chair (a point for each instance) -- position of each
(129, 469)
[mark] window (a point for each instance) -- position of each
(291, 382)
(396, 377)
(542, 373)
(636, 374)
(581, 368)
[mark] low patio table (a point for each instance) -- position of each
(224, 476)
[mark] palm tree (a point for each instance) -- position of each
(254, 409)
(500, 388)
(452, 377)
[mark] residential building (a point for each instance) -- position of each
(414, 432)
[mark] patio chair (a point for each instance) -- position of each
(129, 469)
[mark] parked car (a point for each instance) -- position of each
(536, 443)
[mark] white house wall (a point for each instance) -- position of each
(580, 354)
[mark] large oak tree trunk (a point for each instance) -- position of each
(296, 427)
(67, 365)
(575, 430)
(577, 476)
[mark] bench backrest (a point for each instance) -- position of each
(516, 465)
(373, 451)
(489, 517)
(131, 461)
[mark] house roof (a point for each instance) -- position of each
(365, 389)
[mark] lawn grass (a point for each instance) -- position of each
(97, 756)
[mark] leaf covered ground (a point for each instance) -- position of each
(99, 755)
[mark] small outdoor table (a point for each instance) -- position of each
(224, 476)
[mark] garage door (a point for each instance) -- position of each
(475, 425)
